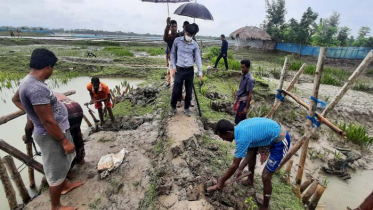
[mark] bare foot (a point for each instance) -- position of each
(70, 186)
(247, 182)
(64, 208)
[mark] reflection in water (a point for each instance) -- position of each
(13, 131)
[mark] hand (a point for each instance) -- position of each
(238, 173)
(26, 140)
(90, 102)
(68, 146)
(245, 110)
(168, 20)
(200, 78)
(174, 72)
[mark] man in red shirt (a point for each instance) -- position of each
(99, 93)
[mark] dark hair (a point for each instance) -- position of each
(246, 62)
(95, 80)
(222, 36)
(192, 29)
(41, 58)
(223, 126)
(173, 22)
(185, 23)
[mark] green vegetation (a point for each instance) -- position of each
(362, 86)
(150, 195)
(127, 109)
(251, 203)
(119, 51)
(94, 204)
(151, 50)
(356, 134)
(232, 64)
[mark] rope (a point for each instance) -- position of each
(279, 95)
(316, 123)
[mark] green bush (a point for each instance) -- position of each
(360, 86)
(330, 79)
(232, 64)
(356, 134)
(119, 51)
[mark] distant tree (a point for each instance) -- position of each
(326, 31)
(363, 31)
(275, 19)
(342, 36)
(351, 40)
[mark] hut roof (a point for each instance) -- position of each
(250, 32)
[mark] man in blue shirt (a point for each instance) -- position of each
(252, 136)
(223, 52)
(185, 53)
(244, 93)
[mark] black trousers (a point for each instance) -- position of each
(225, 61)
(183, 75)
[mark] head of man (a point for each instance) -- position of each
(190, 31)
(95, 83)
(43, 61)
(222, 37)
(173, 26)
(185, 24)
(225, 130)
(245, 66)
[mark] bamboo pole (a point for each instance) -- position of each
(368, 59)
(306, 183)
(282, 77)
(307, 195)
(12, 116)
(21, 156)
(288, 171)
(8, 188)
(311, 112)
(320, 118)
(296, 190)
(316, 197)
(291, 85)
(30, 169)
(16, 177)
(87, 121)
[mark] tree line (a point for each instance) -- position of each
(309, 31)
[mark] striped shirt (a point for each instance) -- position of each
(255, 132)
(185, 54)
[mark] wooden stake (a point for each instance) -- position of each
(368, 59)
(31, 175)
(21, 156)
(307, 195)
(16, 177)
(282, 78)
(311, 112)
(8, 188)
(306, 183)
(12, 116)
(320, 118)
(316, 197)
(291, 85)
(296, 190)
(288, 171)
(87, 121)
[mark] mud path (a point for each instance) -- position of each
(124, 188)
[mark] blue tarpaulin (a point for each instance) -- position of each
(332, 52)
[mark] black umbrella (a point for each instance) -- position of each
(194, 10)
(166, 1)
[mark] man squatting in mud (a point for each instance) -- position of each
(252, 136)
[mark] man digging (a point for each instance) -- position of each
(50, 119)
(252, 136)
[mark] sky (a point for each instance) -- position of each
(142, 17)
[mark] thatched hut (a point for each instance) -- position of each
(252, 36)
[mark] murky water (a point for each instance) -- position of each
(340, 194)
(13, 131)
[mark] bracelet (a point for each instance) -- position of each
(64, 136)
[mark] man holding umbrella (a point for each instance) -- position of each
(185, 53)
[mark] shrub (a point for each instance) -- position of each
(356, 134)
(330, 79)
(360, 86)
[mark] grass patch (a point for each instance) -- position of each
(361, 86)
(211, 52)
(232, 64)
(370, 72)
(150, 195)
(126, 108)
(356, 134)
(95, 203)
(153, 51)
(119, 51)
